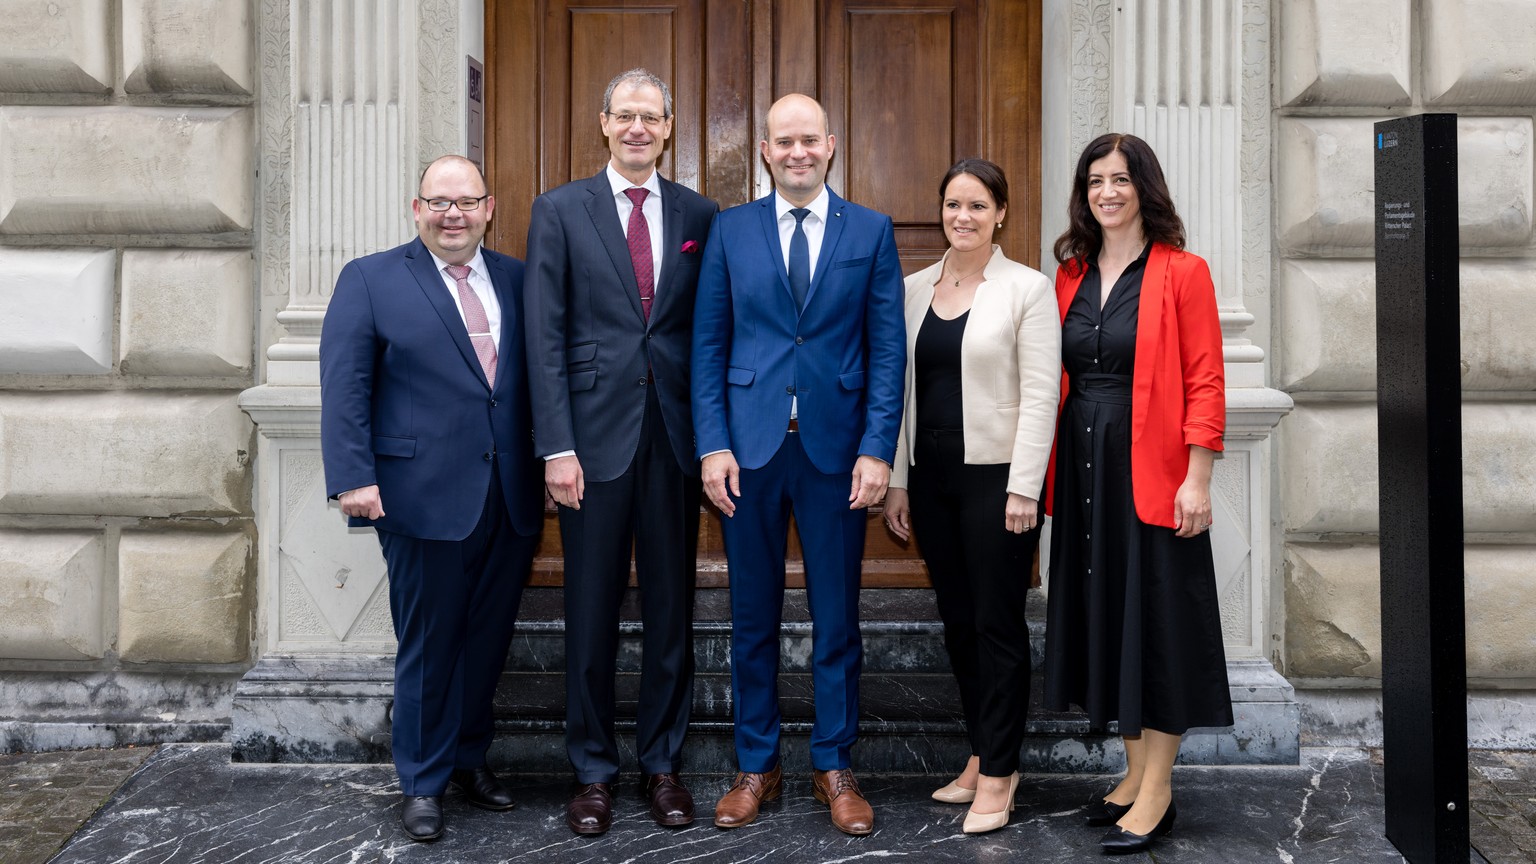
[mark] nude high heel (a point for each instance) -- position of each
(980, 823)
(954, 793)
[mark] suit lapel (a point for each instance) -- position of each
(671, 238)
(1149, 329)
(419, 261)
(829, 238)
(605, 219)
(501, 282)
(767, 207)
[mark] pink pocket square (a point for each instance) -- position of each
(690, 247)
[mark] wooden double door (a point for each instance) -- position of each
(910, 86)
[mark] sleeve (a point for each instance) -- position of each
(545, 302)
(712, 323)
(348, 339)
(1038, 343)
(885, 326)
(1200, 354)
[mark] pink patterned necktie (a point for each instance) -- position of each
(475, 320)
(639, 235)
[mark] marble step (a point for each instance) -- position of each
(900, 627)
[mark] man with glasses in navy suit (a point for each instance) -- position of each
(425, 433)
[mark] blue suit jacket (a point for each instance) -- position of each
(404, 402)
(844, 356)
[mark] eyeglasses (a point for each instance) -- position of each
(650, 120)
(464, 204)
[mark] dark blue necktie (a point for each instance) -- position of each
(799, 259)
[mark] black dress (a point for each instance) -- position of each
(1133, 630)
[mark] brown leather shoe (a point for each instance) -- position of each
(590, 810)
(740, 805)
(671, 802)
(851, 814)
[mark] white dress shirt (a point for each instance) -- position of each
(815, 226)
(651, 209)
(480, 283)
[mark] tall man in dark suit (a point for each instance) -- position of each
(424, 428)
(612, 265)
(799, 349)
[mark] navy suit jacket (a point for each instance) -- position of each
(844, 356)
(591, 350)
(404, 403)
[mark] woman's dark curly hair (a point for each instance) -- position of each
(1159, 221)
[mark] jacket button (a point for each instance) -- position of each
(799, 340)
(487, 455)
(494, 403)
(642, 380)
(790, 389)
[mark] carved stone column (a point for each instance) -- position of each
(1192, 78)
(356, 95)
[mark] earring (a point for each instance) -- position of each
(999, 224)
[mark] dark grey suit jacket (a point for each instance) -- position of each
(591, 353)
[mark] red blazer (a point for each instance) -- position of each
(1179, 395)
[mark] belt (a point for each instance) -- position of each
(1102, 387)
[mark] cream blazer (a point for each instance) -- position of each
(1010, 371)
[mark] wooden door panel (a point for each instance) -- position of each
(909, 88)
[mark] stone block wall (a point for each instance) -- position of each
(1341, 67)
(128, 309)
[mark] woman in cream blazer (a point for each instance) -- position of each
(983, 349)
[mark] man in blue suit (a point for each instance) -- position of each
(426, 435)
(799, 351)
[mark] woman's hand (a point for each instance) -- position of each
(1020, 514)
(898, 516)
(1192, 503)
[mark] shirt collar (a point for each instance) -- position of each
(818, 207)
(476, 264)
(619, 183)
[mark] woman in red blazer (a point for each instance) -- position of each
(1133, 632)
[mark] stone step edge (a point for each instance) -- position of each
(1073, 729)
(882, 627)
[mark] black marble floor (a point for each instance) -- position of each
(189, 805)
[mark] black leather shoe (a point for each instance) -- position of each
(482, 788)
(1119, 841)
(671, 802)
(1102, 812)
(422, 817)
(590, 810)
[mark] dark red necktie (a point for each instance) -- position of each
(639, 234)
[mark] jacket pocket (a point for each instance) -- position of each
(851, 380)
(576, 355)
(582, 379)
(391, 445)
(851, 262)
(739, 376)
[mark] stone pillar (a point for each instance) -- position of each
(1192, 78)
(356, 96)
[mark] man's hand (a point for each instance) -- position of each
(364, 502)
(722, 480)
(870, 476)
(564, 481)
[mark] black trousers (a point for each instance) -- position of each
(980, 573)
(652, 508)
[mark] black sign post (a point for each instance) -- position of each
(1418, 425)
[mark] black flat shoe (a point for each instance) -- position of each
(422, 817)
(1102, 812)
(1119, 841)
(483, 788)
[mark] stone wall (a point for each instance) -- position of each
(127, 322)
(1341, 67)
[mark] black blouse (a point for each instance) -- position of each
(1095, 339)
(937, 373)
